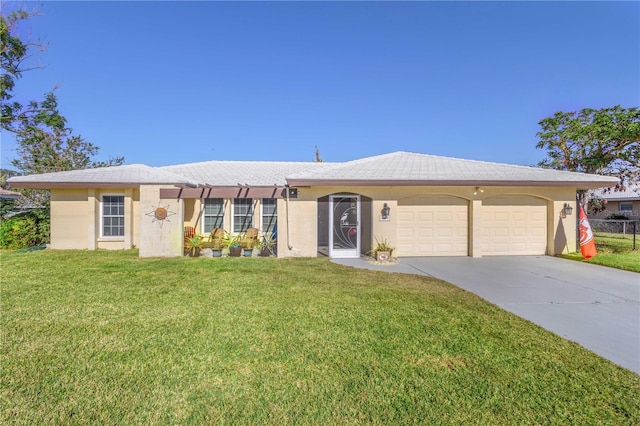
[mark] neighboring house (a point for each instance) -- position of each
(5, 194)
(423, 205)
(626, 203)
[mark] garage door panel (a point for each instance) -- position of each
(405, 216)
(433, 226)
(538, 232)
(445, 216)
(423, 233)
(500, 216)
(514, 225)
(519, 216)
(520, 232)
(425, 216)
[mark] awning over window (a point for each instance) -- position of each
(208, 191)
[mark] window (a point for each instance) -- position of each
(113, 215)
(242, 214)
(269, 215)
(213, 214)
(626, 207)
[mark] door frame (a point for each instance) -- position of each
(345, 253)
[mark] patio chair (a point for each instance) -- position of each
(189, 231)
(252, 233)
(216, 233)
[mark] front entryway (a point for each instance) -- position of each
(344, 221)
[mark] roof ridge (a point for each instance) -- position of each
(197, 163)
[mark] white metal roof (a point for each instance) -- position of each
(632, 192)
(420, 169)
(128, 175)
(252, 173)
(397, 168)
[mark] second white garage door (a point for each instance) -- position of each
(514, 225)
(433, 226)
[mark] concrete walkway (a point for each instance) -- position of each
(595, 306)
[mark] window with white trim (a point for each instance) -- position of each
(625, 206)
(213, 215)
(269, 214)
(112, 215)
(242, 217)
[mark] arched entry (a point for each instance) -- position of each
(344, 220)
(341, 220)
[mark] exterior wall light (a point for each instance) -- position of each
(567, 210)
(478, 190)
(384, 213)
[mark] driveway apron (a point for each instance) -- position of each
(595, 306)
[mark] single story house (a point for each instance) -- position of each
(424, 205)
(5, 194)
(626, 203)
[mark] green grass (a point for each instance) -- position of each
(614, 250)
(109, 338)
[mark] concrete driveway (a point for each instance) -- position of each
(595, 306)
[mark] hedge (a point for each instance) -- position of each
(26, 229)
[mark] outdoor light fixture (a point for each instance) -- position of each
(478, 190)
(567, 210)
(385, 211)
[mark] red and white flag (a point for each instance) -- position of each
(587, 243)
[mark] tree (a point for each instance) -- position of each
(13, 58)
(45, 142)
(604, 141)
(6, 174)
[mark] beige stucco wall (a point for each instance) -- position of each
(76, 220)
(613, 207)
(69, 219)
(75, 217)
(301, 239)
(160, 238)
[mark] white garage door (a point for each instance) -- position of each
(514, 225)
(433, 226)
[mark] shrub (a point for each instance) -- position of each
(7, 207)
(27, 229)
(618, 216)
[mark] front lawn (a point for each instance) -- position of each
(108, 338)
(614, 250)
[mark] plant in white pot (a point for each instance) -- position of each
(383, 250)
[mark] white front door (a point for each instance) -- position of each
(344, 223)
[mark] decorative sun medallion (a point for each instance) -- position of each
(160, 214)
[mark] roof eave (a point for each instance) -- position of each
(70, 185)
(586, 184)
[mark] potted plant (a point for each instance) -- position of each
(233, 244)
(217, 244)
(194, 245)
(267, 245)
(382, 250)
(247, 245)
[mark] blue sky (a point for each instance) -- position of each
(176, 82)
